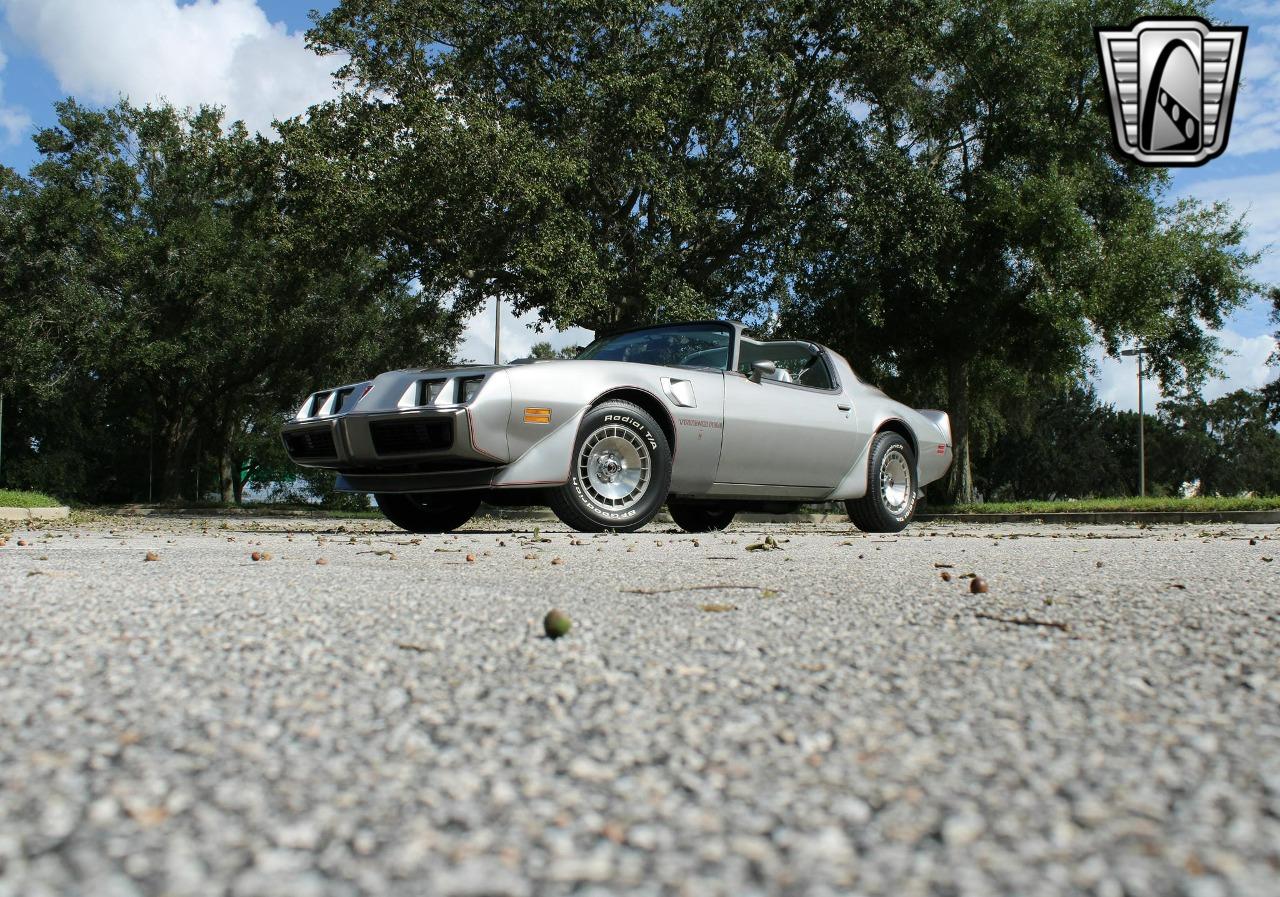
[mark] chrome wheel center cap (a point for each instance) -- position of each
(608, 467)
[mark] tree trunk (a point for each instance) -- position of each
(237, 472)
(228, 463)
(226, 483)
(960, 483)
(226, 480)
(175, 436)
(624, 311)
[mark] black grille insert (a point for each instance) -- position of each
(403, 437)
(315, 443)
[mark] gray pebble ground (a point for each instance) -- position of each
(833, 718)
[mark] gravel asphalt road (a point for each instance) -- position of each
(826, 714)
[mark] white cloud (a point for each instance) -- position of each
(1255, 126)
(1245, 368)
(14, 122)
(1117, 383)
(1251, 10)
(224, 52)
(518, 336)
(1257, 197)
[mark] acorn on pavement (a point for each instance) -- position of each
(556, 624)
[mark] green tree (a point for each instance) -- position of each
(159, 271)
(1003, 235)
(1063, 449)
(1074, 447)
(601, 163)
(542, 350)
(1229, 444)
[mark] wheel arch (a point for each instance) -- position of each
(899, 426)
(650, 403)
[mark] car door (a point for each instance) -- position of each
(785, 434)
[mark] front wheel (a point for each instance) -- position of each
(620, 472)
(890, 501)
(428, 512)
(700, 518)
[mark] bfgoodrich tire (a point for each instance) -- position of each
(620, 471)
(428, 512)
(890, 502)
(699, 518)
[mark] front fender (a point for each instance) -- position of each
(546, 462)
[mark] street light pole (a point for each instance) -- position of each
(497, 328)
(1138, 352)
(1142, 449)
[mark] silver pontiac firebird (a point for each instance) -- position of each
(696, 415)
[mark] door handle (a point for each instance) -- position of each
(844, 406)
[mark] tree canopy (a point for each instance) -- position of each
(162, 284)
(603, 163)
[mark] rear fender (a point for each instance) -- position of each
(931, 463)
(854, 484)
(936, 454)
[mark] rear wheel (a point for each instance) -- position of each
(890, 501)
(620, 473)
(700, 518)
(428, 512)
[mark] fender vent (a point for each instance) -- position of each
(314, 443)
(403, 437)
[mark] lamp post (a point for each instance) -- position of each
(497, 328)
(1138, 352)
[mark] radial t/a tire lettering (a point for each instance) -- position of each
(892, 483)
(619, 473)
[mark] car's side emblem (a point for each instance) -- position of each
(1171, 87)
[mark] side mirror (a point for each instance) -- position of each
(760, 369)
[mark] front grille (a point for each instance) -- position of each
(403, 437)
(315, 443)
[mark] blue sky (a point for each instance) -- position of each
(249, 56)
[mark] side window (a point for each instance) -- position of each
(812, 372)
(792, 366)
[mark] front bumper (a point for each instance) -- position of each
(401, 451)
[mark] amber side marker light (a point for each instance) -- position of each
(537, 415)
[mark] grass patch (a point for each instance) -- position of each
(1208, 503)
(12, 498)
(254, 509)
(267, 508)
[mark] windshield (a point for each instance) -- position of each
(687, 345)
